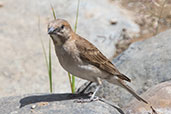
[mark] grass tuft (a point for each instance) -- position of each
(49, 63)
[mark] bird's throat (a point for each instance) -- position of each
(57, 40)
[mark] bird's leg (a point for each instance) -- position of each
(82, 91)
(93, 97)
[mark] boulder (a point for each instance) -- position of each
(54, 104)
(159, 98)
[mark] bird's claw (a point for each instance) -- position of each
(87, 100)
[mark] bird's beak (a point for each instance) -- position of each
(50, 30)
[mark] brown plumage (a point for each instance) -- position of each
(92, 55)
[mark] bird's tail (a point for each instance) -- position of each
(128, 88)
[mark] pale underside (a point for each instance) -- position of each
(74, 65)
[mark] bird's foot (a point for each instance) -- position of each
(95, 98)
(92, 98)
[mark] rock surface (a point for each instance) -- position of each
(22, 65)
(54, 104)
(159, 97)
(147, 63)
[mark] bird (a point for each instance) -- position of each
(82, 59)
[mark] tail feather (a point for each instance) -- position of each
(129, 89)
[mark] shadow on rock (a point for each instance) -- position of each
(50, 98)
(62, 97)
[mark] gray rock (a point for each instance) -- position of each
(159, 98)
(22, 60)
(54, 104)
(147, 63)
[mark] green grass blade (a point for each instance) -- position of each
(70, 81)
(50, 67)
(73, 84)
(53, 11)
(46, 59)
(76, 20)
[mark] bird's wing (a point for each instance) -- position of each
(92, 55)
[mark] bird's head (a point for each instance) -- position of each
(59, 30)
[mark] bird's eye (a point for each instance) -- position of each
(62, 26)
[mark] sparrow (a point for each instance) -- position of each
(82, 59)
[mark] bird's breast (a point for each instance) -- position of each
(72, 63)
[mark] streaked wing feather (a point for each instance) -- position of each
(91, 54)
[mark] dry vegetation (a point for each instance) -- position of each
(153, 17)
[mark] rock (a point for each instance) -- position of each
(22, 60)
(159, 97)
(54, 104)
(147, 63)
